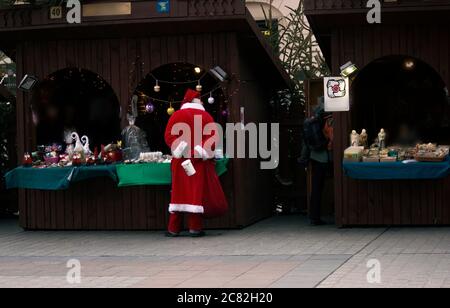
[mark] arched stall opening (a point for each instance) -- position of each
(74, 99)
(406, 97)
(172, 81)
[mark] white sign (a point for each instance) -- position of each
(337, 94)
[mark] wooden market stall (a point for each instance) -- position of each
(123, 44)
(404, 74)
(7, 198)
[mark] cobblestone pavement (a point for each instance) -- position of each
(278, 252)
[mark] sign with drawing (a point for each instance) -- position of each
(336, 93)
(163, 6)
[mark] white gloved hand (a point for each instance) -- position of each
(201, 152)
(180, 150)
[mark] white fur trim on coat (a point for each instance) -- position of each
(193, 105)
(189, 208)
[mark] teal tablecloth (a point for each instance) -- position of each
(55, 178)
(397, 170)
(126, 175)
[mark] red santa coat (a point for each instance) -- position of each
(201, 193)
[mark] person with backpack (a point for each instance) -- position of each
(317, 150)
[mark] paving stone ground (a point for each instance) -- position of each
(278, 252)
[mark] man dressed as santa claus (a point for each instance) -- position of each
(196, 189)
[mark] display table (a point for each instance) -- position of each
(397, 170)
(153, 173)
(89, 198)
(60, 178)
(57, 178)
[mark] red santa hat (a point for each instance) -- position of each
(191, 96)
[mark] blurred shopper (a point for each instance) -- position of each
(317, 153)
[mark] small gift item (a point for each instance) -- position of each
(63, 160)
(151, 157)
(354, 139)
(51, 158)
(134, 140)
(382, 139)
(76, 159)
(112, 153)
(91, 160)
(364, 139)
(27, 160)
(188, 167)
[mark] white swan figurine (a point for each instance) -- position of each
(78, 145)
(87, 150)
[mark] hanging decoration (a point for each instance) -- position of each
(157, 87)
(199, 87)
(149, 102)
(149, 108)
(211, 99)
(170, 110)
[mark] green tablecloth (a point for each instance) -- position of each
(154, 174)
(55, 178)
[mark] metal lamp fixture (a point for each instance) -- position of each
(348, 69)
(219, 73)
(3, 78)
(27, 83)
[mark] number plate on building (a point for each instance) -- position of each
(56, 12)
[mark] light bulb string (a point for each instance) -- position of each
(179, 102)
(159, 81)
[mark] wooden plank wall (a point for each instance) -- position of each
(392, 202)
(86, 206)
(113, 59)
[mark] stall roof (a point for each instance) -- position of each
(326, 15)
(137, 18)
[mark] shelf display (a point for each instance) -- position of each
(431, 153)
(379, 152)
(381, 162)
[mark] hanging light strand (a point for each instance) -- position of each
(179, 102)
(179, 82)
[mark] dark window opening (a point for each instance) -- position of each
(181, 77)
(406, 97)
(78, 100)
